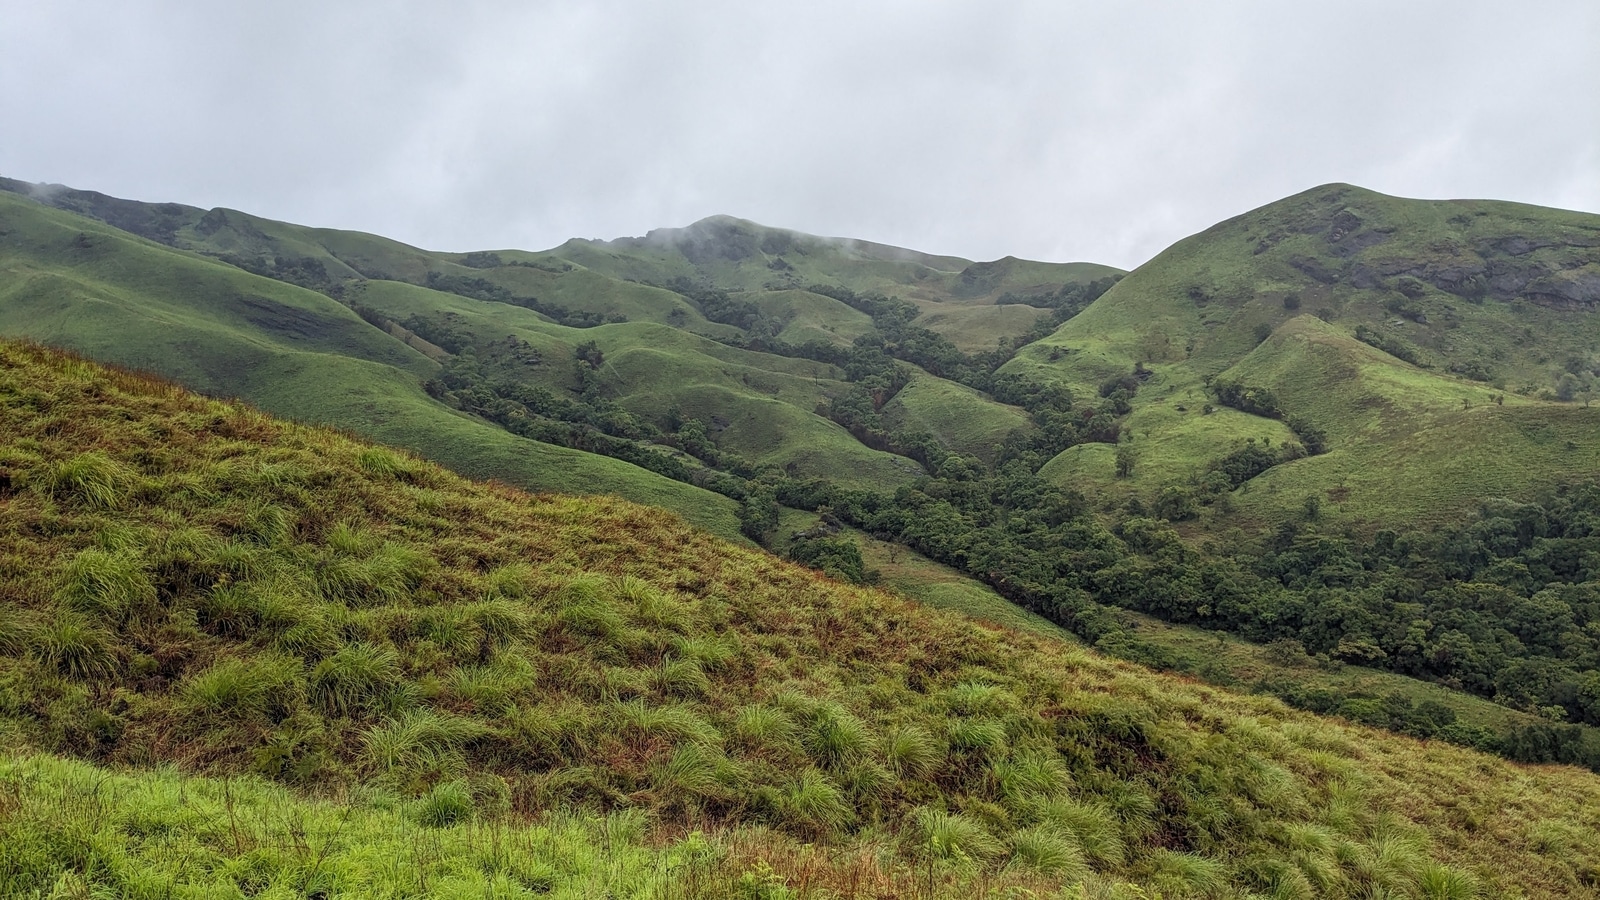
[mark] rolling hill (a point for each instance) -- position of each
(245, 657)
(1446, 348)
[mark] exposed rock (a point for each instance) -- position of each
(1571, 289)
(1314, 268)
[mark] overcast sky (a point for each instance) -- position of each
(1051, 130)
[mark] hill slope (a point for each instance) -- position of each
(191, 582)
(496, 333)
(1400, 328)
(77, 283)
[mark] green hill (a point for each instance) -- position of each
(1447, 349)
(243, 657)
(759, 409)
(76, 283)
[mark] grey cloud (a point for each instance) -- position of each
(1049, 130)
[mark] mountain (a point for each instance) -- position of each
(1447, 351)
(296, 352)
(246, 657)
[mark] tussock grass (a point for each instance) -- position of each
(73, 647)
(951, 837)
(110, 587)
(92, 479)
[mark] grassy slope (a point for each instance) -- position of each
(76, 283)
(760, 406)
(811, 317)
(962, 419)
(189, 581)
(1344, 253)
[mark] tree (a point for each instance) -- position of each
(1125, 461)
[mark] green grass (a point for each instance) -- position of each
(70, 829)
(1458, 445)
(962, 419)
(811, 317)
(446, 668)
(978, 328)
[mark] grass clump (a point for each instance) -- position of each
(92, 479)
(109, 586)
(953, 838)
(244, 690)
(354, 677)
(73, 647)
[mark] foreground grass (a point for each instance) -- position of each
(190, 583)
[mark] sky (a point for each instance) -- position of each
(1061, 131)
